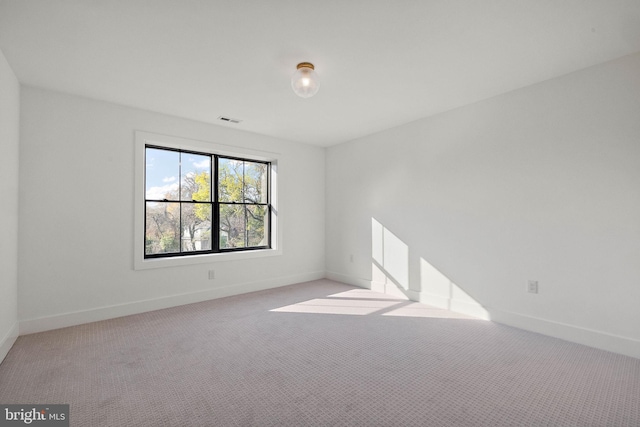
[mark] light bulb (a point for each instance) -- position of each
(305, 82)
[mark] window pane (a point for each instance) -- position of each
(179, 202)
(196, 227)
(255, 182)
(195, 177)
(232, 226)
(257, 220)
(161, 174)
(162, 231)
(230, 185)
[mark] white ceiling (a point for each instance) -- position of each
(382, 63)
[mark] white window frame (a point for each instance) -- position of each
(142, 139)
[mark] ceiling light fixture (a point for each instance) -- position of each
(305, 82)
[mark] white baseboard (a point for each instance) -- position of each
(589, 337)
(470, 308)
(349, 280)
(381, 287)
(435, 300)
(592, 338)
(64, 320)
(7, 341)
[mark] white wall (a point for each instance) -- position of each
(463, 208)
(9, 138)
(77, 207)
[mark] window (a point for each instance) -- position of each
(198, 203)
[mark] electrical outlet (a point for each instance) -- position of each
(212, 274)
(533, 286)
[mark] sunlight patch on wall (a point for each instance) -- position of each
(390, 266)
(438, 290)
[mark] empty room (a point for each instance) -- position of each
(297, 213)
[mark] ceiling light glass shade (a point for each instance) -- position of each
(305, 82)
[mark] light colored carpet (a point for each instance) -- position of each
(318, 354)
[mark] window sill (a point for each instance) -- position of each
(145, 264)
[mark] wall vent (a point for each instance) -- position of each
(229, 119)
